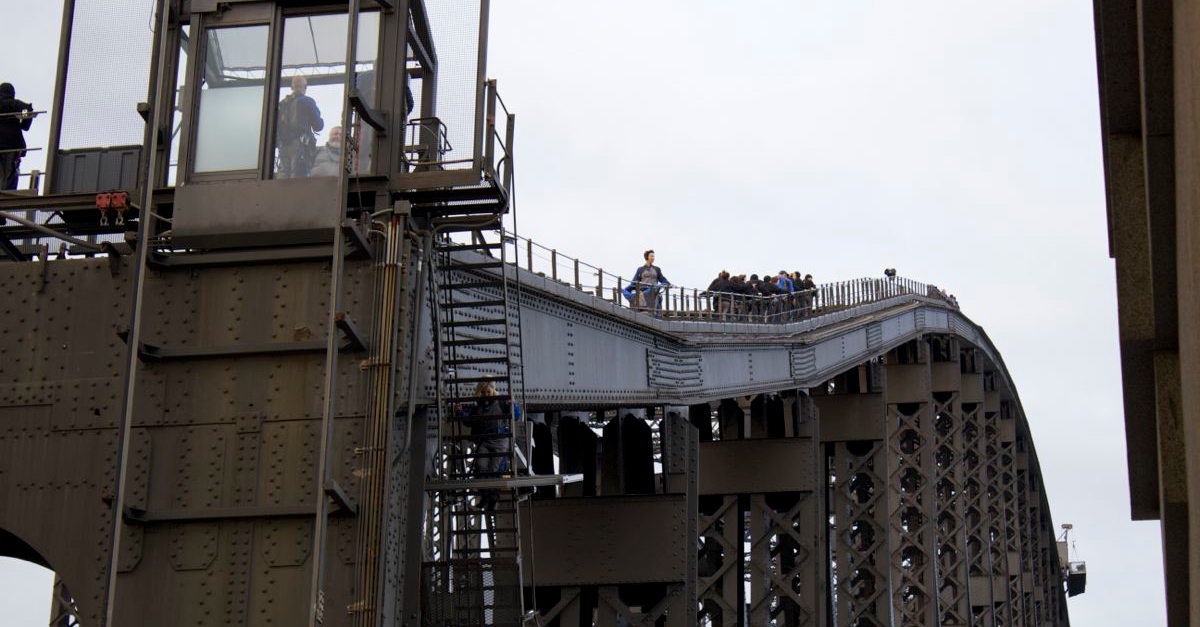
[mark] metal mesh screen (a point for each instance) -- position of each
(469, 593)
(108, 73)
(455, 27)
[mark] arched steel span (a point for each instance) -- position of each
(584, 351)
(871, 463)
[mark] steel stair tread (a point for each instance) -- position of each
(470, 285)
(466, 361)
(451, 248)
(477, 303)
(477, 265)
(458, 324)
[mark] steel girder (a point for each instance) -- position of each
(809, 487)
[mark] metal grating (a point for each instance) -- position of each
(470, 592)
(106, 81)
(456, 23)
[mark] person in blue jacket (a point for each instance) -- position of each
(645, 288)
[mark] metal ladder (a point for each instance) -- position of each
(475, 578)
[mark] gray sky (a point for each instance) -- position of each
(957, 142)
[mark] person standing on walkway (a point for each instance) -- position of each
(643, 290)
(15, 118)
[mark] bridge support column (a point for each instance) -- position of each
(851, 416)
(405, 517)
(996, 445)
(616, 550)
(577, 454)
(1010, 522)
(947, 381)
(720, 561)
(761, 514)
(911, 502)
(977, 503)
(1025, 533)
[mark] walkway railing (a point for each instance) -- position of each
(675, 301)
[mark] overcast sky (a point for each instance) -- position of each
(957, 142)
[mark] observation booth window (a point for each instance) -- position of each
(271, 95)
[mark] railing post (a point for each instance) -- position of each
(529, 255)
(578, 286)
(508, 144)
(599, 282)
(554, 263)
(489, 150)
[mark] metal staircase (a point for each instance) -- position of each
(474, 577)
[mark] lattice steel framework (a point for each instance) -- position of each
(910, 466)
(784, 555)
(860, 534)
(720, 572)
(952, 555)
(978, 507)
(1010, 527)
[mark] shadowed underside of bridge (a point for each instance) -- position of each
(866, 465)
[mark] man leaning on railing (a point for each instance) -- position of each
(15, 117)
(645, 290)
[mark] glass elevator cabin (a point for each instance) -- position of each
(226, 166)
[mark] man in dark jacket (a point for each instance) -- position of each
(810, 293)
(770, 301)
(297, 121)
(719, 290)
(15, 118)
(648, 280)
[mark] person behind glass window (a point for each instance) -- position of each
(15, 118)
(296, 124)
(328, 159)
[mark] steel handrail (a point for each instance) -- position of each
(21, 114)
(679, 301)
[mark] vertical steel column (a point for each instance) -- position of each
(407, 504)
(952, 579)
(60, 90)
(911, 506)
(785, 560)
(859, 539)
(719, 572)
(976, 503)
(133, 341)
(786, 533)
(332, 341)
(681, 465)
(1010, 524)
(848, 414)
(1024, 533)
(1041, 542)
(995, 514)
